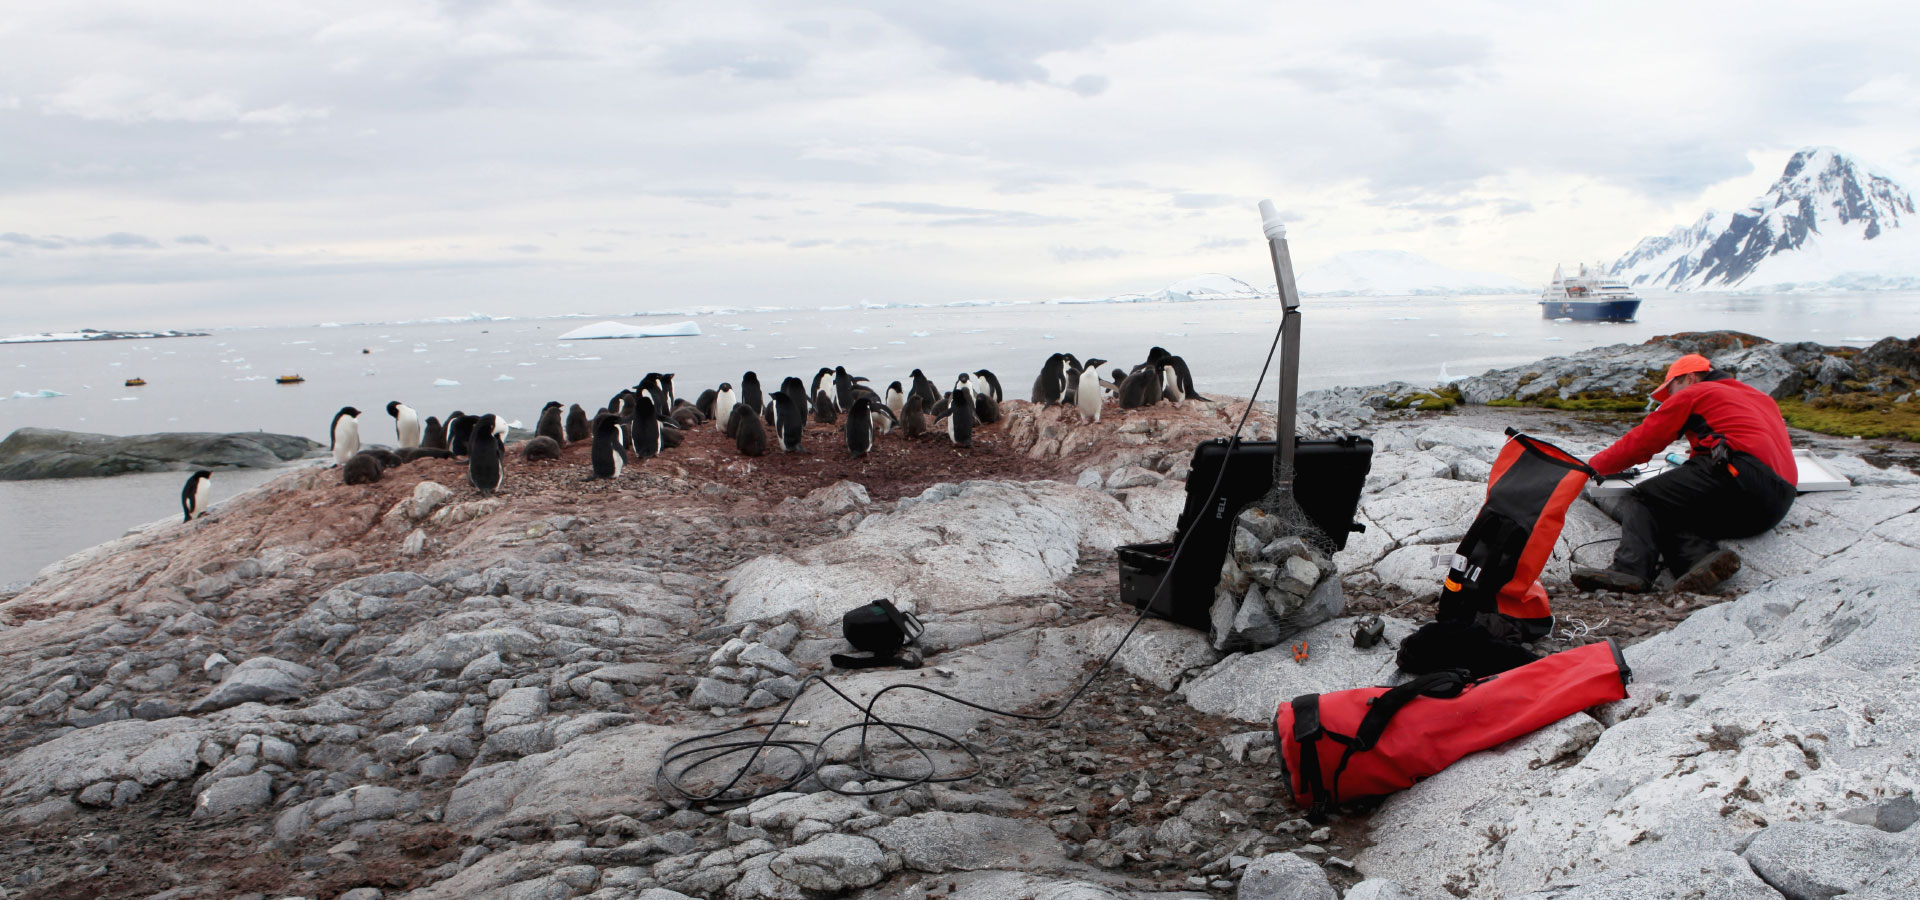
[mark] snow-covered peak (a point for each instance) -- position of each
(1383, 273)
(1828, 221)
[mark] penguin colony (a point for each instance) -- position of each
(650, 418)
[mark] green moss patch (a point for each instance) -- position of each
(1849, 415)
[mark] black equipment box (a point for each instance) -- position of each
(1328, 478)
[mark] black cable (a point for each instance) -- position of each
(669, 783)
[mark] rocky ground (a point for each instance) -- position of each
(404, 689)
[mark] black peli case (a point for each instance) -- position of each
(1328, 478)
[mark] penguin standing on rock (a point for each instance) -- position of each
(789, 423)
(345, 434)
(609, 448)
(486, 454)
(1089, 395)
(896, 398)
(435, 435)
(193, 497)
(723, 409)
(990, 385)
(1181, 376)
(960, 418)
(406, 423)
(577, 429)
(750, 392)
(749, 436)
(646, 429)
(860, 423)
(921, 386)
(552, 423)
(822, 381)
(797, 390)
(824, 411)
(459, 433)
(1051, 384)
(1142, 387)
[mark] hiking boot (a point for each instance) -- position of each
(1591, 579)
(1712, 569)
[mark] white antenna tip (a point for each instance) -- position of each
(1270, 222)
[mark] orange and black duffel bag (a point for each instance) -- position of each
(1371, 741)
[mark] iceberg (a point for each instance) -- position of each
(42, 394)
(445, 382)
(621, 330)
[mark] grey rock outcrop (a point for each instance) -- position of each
(30, 453)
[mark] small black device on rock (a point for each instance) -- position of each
(883, 630)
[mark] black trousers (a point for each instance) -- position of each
(1674, 519)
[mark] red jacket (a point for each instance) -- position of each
(1750, 420)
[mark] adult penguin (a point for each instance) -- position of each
(486, 454)
(723, 403)
(609, 448)
(345, 434)
(552, 423)
(992, 383)
(789, 423)
(655, 385)
(704, 403)
(1161, 357)
(824, 411)
(896, 398)
(646, 429)
(960, 418)
(460, 434)
(922, 387)
(577, 427)
(822, 381)
(750, 392)
(844, 384)
(1051, 383)
(1089, 396)
(860, 423)
(1070, 376)
(406, 423)
(749, 436)
(193, 497)
(796, 389)
(913, 416)
(1142, 387)
(434, 437)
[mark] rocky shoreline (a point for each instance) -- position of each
(32, 453)
(407, 690)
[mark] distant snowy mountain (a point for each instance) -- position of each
(1829, 222)
(1392, 273)
(1203, 287)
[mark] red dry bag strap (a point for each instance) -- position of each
(1446, 683)
(1307, 734)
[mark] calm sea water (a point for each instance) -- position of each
(225, 382)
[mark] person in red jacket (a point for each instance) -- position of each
(1738, 481)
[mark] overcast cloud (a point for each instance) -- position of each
(199, 163)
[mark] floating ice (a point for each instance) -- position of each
(504, 378)
(445, 382)
(921, 334)
(42, 394)
(124, 399)
(621, 330)
(861, 330)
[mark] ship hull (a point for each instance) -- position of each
(1590, 310)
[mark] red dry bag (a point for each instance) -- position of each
(1370, 741)
(1497, 567)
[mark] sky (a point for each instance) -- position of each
(194, 163)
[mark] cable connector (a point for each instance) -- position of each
(799, 723)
